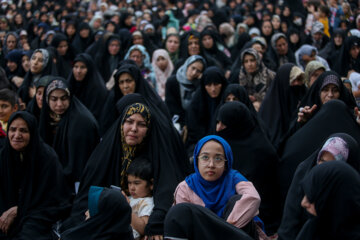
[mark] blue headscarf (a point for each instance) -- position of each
(215, 194)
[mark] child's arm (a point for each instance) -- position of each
(139, 223)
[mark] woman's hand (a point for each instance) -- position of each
(305, 113)
(156, 237)
(127, 199)
(357, 114)
(7, 218)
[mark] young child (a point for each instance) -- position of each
(140, 186)
(324, 13)
(8, 105)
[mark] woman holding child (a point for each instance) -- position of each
(141, 130)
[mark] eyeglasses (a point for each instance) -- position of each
(218, 161)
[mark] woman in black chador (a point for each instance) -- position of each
(33, 189)
(141, 129)
(69, 127)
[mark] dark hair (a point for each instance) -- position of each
(8, 95)
(325, 9)
(142, 168)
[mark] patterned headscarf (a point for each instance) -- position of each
(45, 54)
(129, 151)
(337, 147)
(56, 84)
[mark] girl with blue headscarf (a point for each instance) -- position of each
(218, 188)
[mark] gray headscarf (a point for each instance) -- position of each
(45, 54)
(188, 88)
(276, 37)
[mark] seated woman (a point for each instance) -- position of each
(219, 188)
(141, 129)
(140, 56)
(87, 84)
(339, 146)
(202, 110)
(181, 87)
(327, 87)
(312, 71)
(33, 189)
(128, 79)
(281, 101)
(331, 196)
(254, 76)
(69, 127)
(308, 53)
(254, 157)
(333, 117)
(41, 64)
(109, 215)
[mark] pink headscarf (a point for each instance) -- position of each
(161, 76)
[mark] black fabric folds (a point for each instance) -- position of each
(162, 146)
(294, 216)
(345, 61)
(334, 188)
(200, 223)
(34, 181)
(91, 91)
(254, 157)
(280, 104)
(111, 223)
(75, 137)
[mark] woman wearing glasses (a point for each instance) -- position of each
(216, 200)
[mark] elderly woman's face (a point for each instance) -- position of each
(36, 63)
(211, 161)
(19, 134)
(329, 92)
(134, 129)
(137, 57)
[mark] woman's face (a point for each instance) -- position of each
(249, 63)
(80, 70)
(310, 207)
(70, 30)
(194, 70)
(39, 96)
(114, 47)
(213, 89)
(36, 63)
(207, 42)
(127, 84)
(84, 33)
(315, 76)
(137, 57)
(110, 28)
(194, 46)
(211, 161)
(354, 52)
(138, 40)
(25, 62)
(135, 129)
(275, 23)
(231, 98)
(11, 42)
(172, 44)
(162, 63)
(294, 38)
(19, 134)
(62, 48)
(326, 157)
(338, 40)
(59, 101)
(329, 92)
(11, 65)
(266, 28)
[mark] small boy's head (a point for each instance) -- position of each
(8, 104)
(140, 178)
